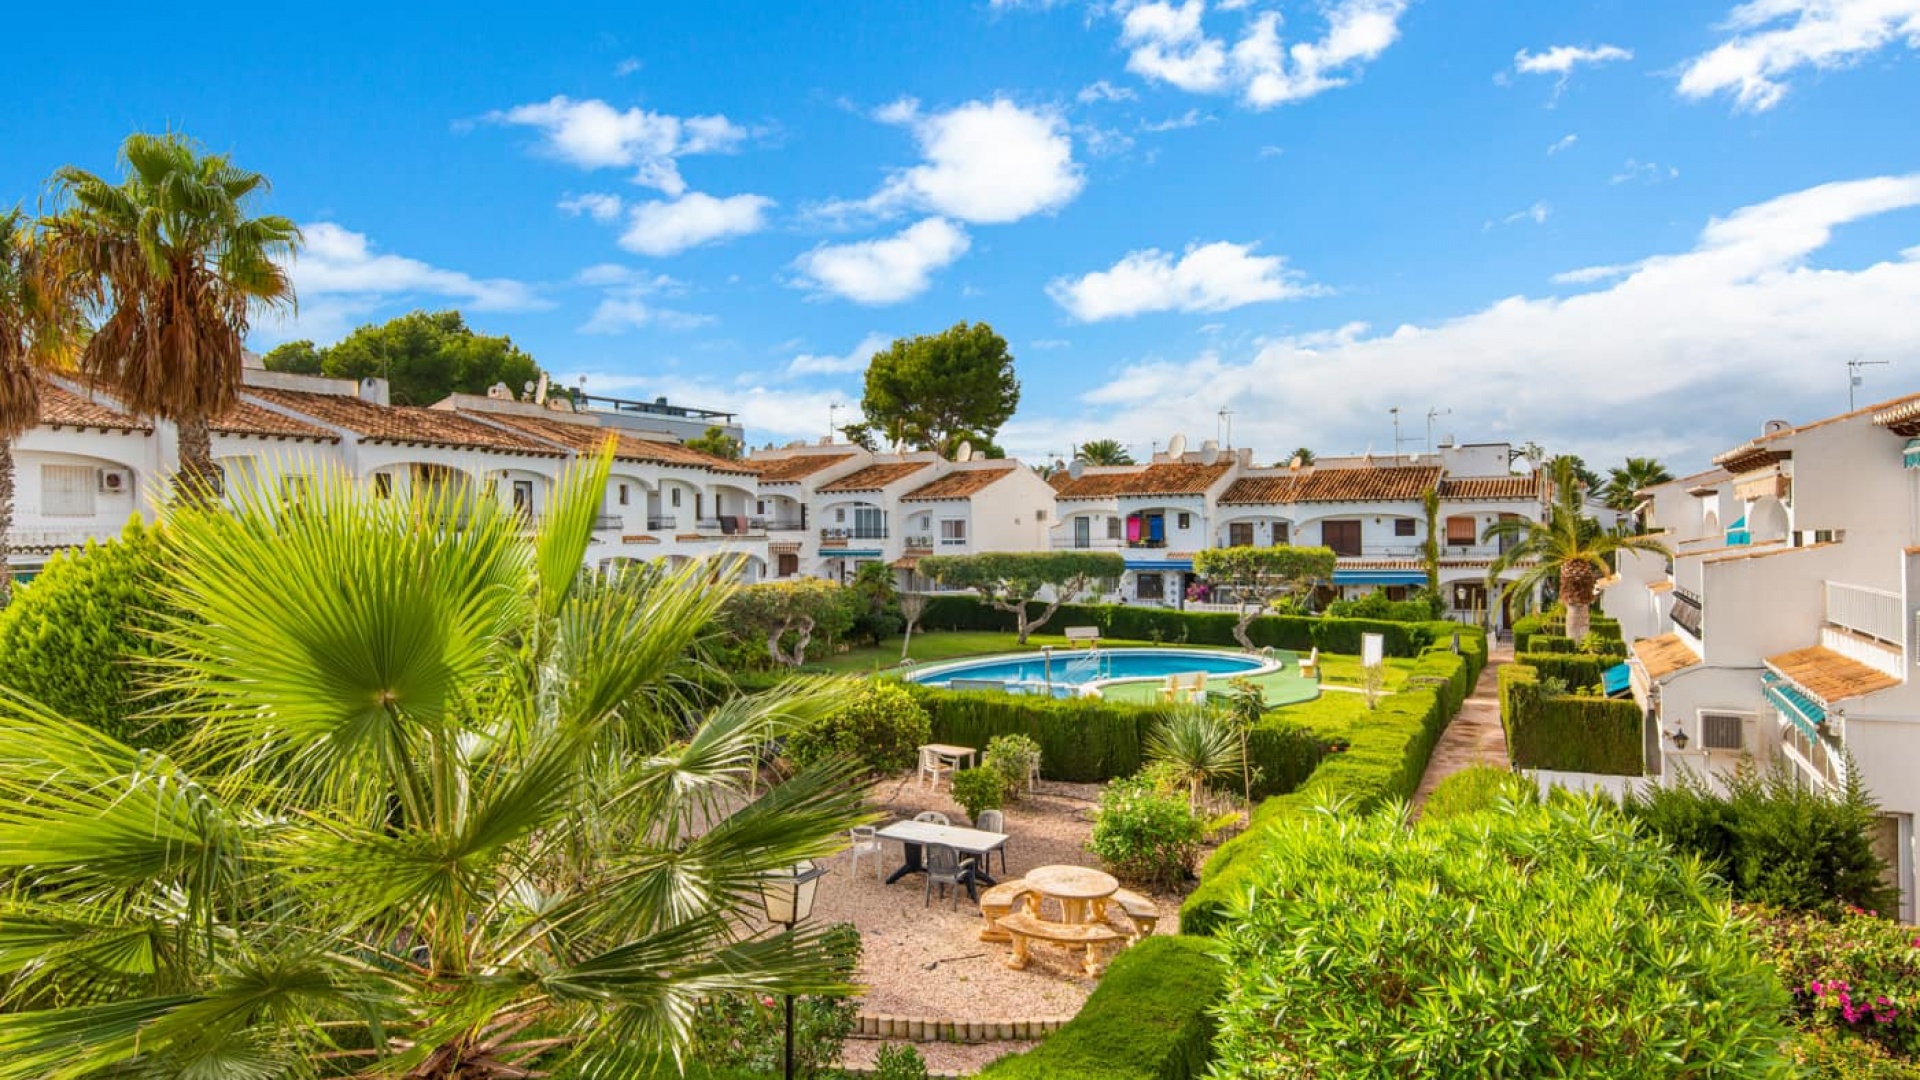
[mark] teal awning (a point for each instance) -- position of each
(1912, 454)
(1794, 704)
(1617, 679)
(1379, 577)
(1738, 535)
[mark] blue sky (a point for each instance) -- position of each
(1610, 226)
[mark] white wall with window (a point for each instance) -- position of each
(72, 486)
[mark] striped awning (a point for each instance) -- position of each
(1160, 564)
(1911, 455)
(1379, 577)
(1795, 704)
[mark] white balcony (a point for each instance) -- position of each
(1874, 613)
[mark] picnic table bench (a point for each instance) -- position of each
(1025, 927)
(1088, 636)
(1142, 912)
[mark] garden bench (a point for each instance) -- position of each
(997, 903)
(1088, 636)
(1311, 665)
(1025, 928)
(1142, 912)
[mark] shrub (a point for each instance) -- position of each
(1197, 746)
(881, 726)
(1531, 941)
(1014, 757)
(1146, 834)
(76, 638)
(1375, 605)
(747, 1031)
(1147, 1020)
(1773, 842)
(899, 1061)
(1474, 789)
(978, 789)
(1547, 730)
(1578, 670)
(1858, 975)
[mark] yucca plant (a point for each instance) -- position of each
(444, 814)
(1196, 746)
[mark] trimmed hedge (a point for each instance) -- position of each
(1554, 624)
(1297, 632)
(1577, 670)
(1386, 758)
(1149, 1019)
(1566, 732)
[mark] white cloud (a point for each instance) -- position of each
(662, 228)
(1190, 118)
(854, 359)
(1774, 39)
(627, 300)
(1744, 318)
(1272, 151)
(1102, 90)
(887, 270)
(1562, 59)
(903, 110)
(1049, 343)
(1651, 172)
(1169, 43)
(1564, 143)
(1538, 213)
(594, 135)
(987, 162)
(1587, 275)
(596, 205)
(626, 67)
(1208, 277)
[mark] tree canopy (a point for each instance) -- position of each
(1624, 482)
(1012, 580)
(800, 607)
(423, 355)
(935, 391)
(1261, 575)
(717, 442)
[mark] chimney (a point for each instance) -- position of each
(375, 390)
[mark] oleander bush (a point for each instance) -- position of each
(1475, 789)
(1524, 942)
(880, 725)
(78, 638)
(1148, 1019)
(1568, 732)
(1146, 832)
(1774, 842)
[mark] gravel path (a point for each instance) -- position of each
(927, 960)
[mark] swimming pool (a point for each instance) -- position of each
(1064, 673)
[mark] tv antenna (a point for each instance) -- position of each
(1226, 418)
(1853, 375)
(833, 411)
(1431, 413)
(1396, 433)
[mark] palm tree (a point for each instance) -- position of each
(39, 325)
(176, 268)
(1624, 483)
(1302, 455)
(1568, 545)
(1105, 452)
(1199, 745)
(447, 812)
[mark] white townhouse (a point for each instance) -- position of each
(79, 474)
(1786, 627)
(857, 516)
(1155, 515)
(789, 479)
(973, 507)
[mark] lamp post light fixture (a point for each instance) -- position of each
(1679, 737)
(787, 896)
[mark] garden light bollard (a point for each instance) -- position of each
(787, 897)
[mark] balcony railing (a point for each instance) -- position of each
(785, 525)
(919, 543)
(1874, 613)
(731, 526)
(841, 537)
(1688, 612)
(1087, 543)
(1146, 542)
(655, 524)
(606, 522)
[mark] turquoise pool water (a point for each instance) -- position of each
(1069, 671)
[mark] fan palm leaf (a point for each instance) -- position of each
(1568, 547)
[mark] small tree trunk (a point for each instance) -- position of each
(1577, 581)
(198, 481)
(804, 635)
(6, 520)
(1247, 615)
(906, 640)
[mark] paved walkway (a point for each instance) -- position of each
(1475, 736)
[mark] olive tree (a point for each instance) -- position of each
(801, 607)
(1011, 581)
(1261, 575)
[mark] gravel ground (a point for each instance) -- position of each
(927, 960)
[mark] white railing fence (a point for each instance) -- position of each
(1875, 613)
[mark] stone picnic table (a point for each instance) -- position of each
(1082, 891)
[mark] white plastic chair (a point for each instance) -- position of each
(932, 766)
(932, 817)
(866, 843)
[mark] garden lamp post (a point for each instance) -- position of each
(787, 897)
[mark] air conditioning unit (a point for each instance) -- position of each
(115, 481)
(1726, 731)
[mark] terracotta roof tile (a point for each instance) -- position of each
(793, 468)
(1664, 655)
(1059, 480)
(400, 423)
(1828, 675)
(1490, 487)
(60, 407)
(589, 438)
(957, 485)
(875, 477)
(246, 418)
(1334, 485)
(1167, 478)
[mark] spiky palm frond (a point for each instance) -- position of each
(1568, 547)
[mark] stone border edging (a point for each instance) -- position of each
(924, 1029)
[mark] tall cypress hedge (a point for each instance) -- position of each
(1567, 732)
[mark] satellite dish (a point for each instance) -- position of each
(1176, 446)
(1209, 452)
(1076, 468)
(965, 453)
(1295, 463)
